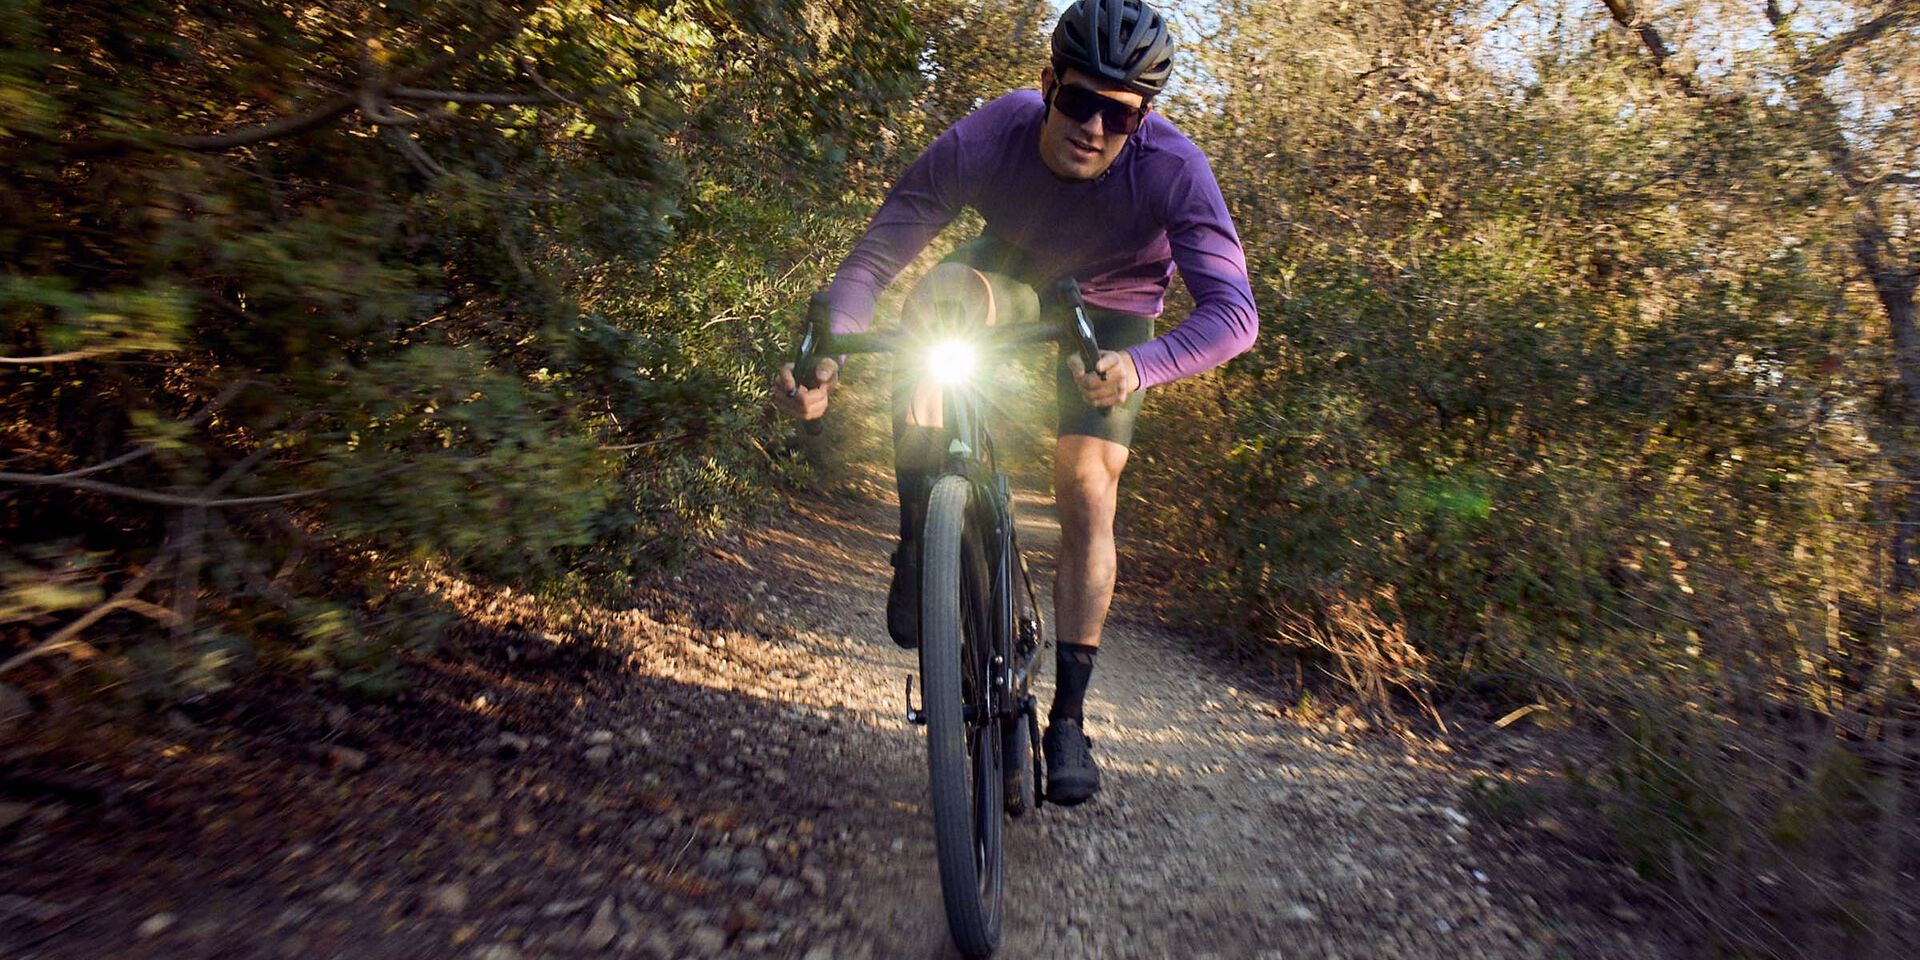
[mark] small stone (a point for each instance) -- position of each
(815, 879)
(497, 951)
(599, 756)
(508, 746)
(819, 952)
(12, 813)
(346, 758)
(658, 946)
(448, 898)
(603, 928)
(565, 908)
(707, 941)
(1628, 914)
(346, 891)
(1298, 913)
(155, 925)
(600, 736)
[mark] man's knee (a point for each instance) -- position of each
(1086, 480)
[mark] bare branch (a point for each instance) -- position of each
(464, 96)
(645, 443)
(66, 637)
(320, 115)
(67, 357)
(1628, 15)
(136, 453)
(533, 71)
(428, 167)
(165, 499)
(1822, 60)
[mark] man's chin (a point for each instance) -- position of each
(1073, 170)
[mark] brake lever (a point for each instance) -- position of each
(1083, 327)
(806, 364)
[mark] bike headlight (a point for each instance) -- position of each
(952, 362)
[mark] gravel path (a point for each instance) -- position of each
(722, 768)
(1224, 830)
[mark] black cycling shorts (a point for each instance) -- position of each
(1017, 300)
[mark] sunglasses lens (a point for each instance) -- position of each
(1080, 104)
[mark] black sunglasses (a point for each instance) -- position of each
(1079, 104)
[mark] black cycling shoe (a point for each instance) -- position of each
(903, 597)
(1072, 776)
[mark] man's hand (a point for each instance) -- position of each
(798, 401)
(1120, 382)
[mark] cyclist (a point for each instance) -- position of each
(1078, 179)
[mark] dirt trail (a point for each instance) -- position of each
(1224, 830)
(726, 770)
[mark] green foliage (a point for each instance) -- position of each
(506, 306)
(1571, 386)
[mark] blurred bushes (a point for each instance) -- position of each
(1572, 389)
(298, 300)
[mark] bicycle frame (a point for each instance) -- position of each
(971, 455)
(978, 653)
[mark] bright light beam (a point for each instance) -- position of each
(952, 362)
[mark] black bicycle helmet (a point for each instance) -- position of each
(1125, 41)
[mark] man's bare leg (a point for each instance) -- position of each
(1086, 488)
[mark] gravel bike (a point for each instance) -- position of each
(981, 632)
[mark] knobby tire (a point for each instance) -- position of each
(963, 761)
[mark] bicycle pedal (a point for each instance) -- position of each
(914, 715)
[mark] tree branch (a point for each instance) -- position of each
(464, 96)
(1629, 16)
(1822, 60)
(174, 500)
(67, 357)
(65, 637)
(318, 116)
(136, 453)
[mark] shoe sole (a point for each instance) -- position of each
(1071, 793)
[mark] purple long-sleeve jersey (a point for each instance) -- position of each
(1120, 235)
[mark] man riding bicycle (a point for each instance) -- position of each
(1081, 180)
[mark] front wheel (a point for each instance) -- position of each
(963, 742)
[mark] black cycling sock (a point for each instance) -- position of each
(1073, 668)
(911, 482)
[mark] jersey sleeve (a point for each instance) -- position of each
(1207, 250)
(925, 199)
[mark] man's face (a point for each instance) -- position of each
(1081, 150)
